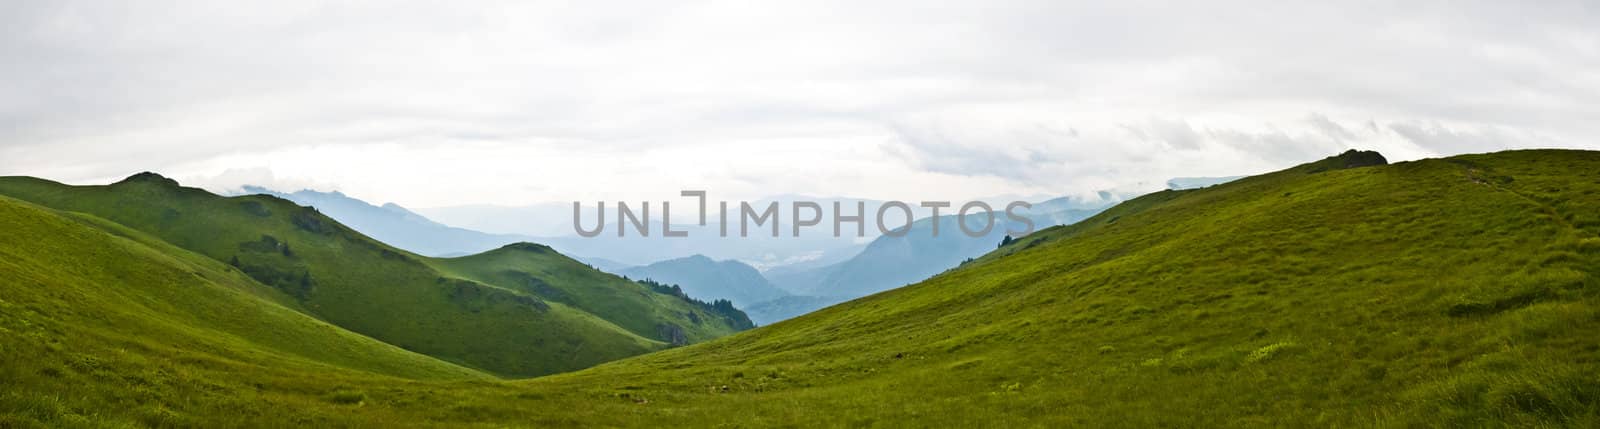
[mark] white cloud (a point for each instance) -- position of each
(512, 102)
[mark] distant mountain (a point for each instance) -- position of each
(539, 220)
(812, 264)
(759, 249)
(555, 219)
(395, 225)
(892, 261)
(707, 279)
(604, 264)
(800, 278)
(788, 307)
(1182, 183)
(552, 222)
(889, 261)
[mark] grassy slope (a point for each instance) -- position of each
(353, 281)
(1442, 292)
(542, 272)
(1458, 291)
(87, 303)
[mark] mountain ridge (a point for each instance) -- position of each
(351, 280)
(394, 224)
(701, 276)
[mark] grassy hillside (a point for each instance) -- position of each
(889, 262)
(94, 314)
(539, 271)
(1448, 292)
(360, 284)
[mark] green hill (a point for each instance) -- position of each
(540, 271)
(1447, 292)
(96, 317)
(368, 287)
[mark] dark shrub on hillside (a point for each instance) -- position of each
(267, 244)
(538, 286)
(309, 220)
(255, 208)
(721, 307)
(1349, 159)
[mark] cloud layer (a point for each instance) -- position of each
(516, 102)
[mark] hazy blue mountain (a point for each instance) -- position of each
(396, 226)
(1048, 209)
(1182, 183)
(778, 310)
(814, 246)
(538, 220)
(552, 222)
(800, 278)
(604, 264)
(757, 250)
(706, 279)
(889, 261)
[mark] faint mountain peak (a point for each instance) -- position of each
(1182, 183)
(707, 279)
(394, 224)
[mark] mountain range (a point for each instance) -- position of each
(836, 270)
(891, 261)
(702, 276)
(395, 225)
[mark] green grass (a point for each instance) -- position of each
(1439, 293)
(99, 319)
(364, 286)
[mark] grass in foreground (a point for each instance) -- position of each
(1450, 292)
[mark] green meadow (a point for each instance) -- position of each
(1455, 292)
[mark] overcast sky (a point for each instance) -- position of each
(432, 104)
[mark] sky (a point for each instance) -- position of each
(432, 104)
